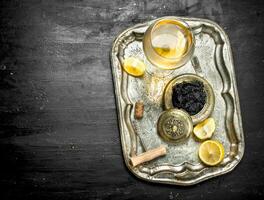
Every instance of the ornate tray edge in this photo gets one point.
(176, 181)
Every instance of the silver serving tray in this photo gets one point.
(181, 165)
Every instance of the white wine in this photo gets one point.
(168, 43)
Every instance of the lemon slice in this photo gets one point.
(211, 152)
(134, 66)
(205, 129)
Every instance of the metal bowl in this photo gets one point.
(210, 97)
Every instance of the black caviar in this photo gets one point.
(189, 96)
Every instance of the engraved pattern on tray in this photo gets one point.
(181, 165)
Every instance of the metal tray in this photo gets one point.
(181, 165)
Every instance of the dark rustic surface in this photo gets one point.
(59, 136)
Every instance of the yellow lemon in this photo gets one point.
(134, 66)
(205, 129)
(211, 152)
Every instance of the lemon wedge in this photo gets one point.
(134, 66)
(211, 152)
(205, 129)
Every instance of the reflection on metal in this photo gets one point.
(181, 165)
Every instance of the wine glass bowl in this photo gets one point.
(168, 43)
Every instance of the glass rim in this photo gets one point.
(187, 28)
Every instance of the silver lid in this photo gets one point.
(174, 125)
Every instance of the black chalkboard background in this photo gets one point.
(59, 135)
